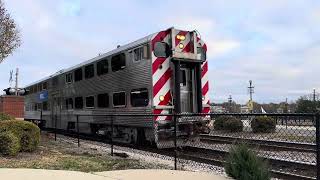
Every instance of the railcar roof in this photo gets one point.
(114, 51)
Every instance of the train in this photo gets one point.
(162, 74)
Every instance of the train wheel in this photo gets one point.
(141, 137)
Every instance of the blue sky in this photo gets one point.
(276, 43)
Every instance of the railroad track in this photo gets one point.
(207, 156)
(216, 157)
(265, 144)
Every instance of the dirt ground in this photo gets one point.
(60, 155)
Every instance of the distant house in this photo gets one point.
(280, 110)
(12, 105)
(244, 109)
(218, 109)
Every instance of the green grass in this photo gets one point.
(63, 156)
(82, 163)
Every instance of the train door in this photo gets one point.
(56, 111)
(186, 88)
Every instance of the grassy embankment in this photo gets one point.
(65, 156)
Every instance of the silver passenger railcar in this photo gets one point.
(162, 73)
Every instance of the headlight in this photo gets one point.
(181, 37)
(161, 98)
(181, 46)
(203, 98)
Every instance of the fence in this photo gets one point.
(289, 142)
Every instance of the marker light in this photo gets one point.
(181, 37)
(161, 98)
(181, 46)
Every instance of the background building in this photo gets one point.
(12, 105)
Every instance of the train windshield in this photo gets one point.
(201, 53)
(161, 49)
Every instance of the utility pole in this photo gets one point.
(314, 100)
(230, 103)
(16, 88)
(286, 106)
(10, 78)
(251, 91)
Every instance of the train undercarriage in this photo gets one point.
(162, 135)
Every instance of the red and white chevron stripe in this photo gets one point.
(161, 77)
(162, 73)
(205, 80)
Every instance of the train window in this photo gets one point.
(27, 107)
(139, 97)
(78, 74)
(30, 89)
(183, 76)
(90, 102)
(102, 67)
(55, 81)
(45, 106)
(201, 53)
(69, 103)
(78, 102)
(39, 87)
(71, 125)
(89, 71)
(66, 104)
(38, 106)
(119, 99)
(138, 54)
(146, 52)
(161, 49)
(118, 62)
(103, 100)
(69, 78)
(44, 85)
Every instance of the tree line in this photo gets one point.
(304, 104)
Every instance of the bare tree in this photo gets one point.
(9, 34)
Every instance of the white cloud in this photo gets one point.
(274, 75)
(300, 91)
(44, 23)
(217, 43)
(274, 43)
(71, 7)
(218, 47)
(186, 22)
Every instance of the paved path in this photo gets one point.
(143, 174)
(159, 175)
